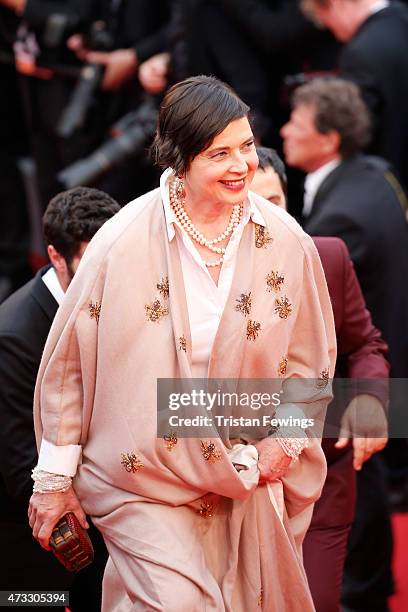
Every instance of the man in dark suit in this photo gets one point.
(70, 221)
(354, 197)
(361, 355)
(376, 58)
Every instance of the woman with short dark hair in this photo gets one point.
(198, 279)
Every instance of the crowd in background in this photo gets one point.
(136, 49)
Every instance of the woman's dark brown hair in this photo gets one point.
(192, 113)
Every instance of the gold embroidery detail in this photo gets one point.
(260, 599)
(244, 303)
(274, 281)
(283, 307)
(323, 379)
(262, 237)
(206, 510)
(131, 462)
(171, 440)
(163, 287)
(155, 311)
(283, 366)
(253, 329)
(210, 452)
(182, 344)
(95, 311)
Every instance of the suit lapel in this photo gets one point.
(326, 187)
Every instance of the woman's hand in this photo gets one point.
(273, 463)
(45, 509)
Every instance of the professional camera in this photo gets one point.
(73, 117)
(130, 137)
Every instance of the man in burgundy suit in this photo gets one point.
(361, 351)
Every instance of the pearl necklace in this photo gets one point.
(177, 201)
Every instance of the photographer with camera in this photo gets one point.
(130, 129)
(85, 80)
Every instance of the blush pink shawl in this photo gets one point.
(118, 330)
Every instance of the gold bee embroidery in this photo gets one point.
(253, 329)
(210, 452)
(262, 237)
(182, 344)
(244, 303)
(206, 510)
(163, 287)
(171, 440)
(155, 311)
(131, 462)
(283, 307)
(95, 311)
(283, 366)
(323, 379)
(274, 281)
(260, 599)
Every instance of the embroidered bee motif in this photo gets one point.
(274, 281)
(163, 287)
(155, 311)
(182, 344)
(253, 329)
(131, 462)
(170, 440)
(323, 379)
(283, 366)
(206, 510)
(95, 311)
(244, 303)
(283, 307)
(210, 452)
(262, 237)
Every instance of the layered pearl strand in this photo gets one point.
(177, 202)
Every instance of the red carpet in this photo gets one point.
(399, 602)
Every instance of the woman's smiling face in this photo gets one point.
(223, 172)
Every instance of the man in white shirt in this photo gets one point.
(70, 221)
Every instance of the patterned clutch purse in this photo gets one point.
(71, 544)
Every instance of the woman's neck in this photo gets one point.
(206, 212)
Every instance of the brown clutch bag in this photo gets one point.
(71, 544)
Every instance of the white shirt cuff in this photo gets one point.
(59, 459)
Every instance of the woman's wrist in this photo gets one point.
(47, 482)
(292, 440)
